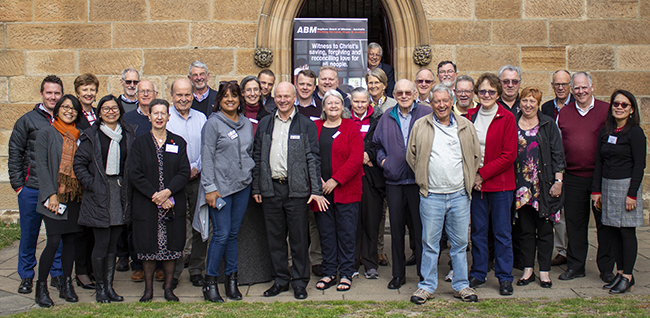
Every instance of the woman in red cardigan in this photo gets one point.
(341, 152)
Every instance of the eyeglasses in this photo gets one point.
(467, 92)
(404, 93)
(449, 72)
(374, 55)
(484, 92)
(507, 82)
(130, 82)
(558, 85)
(68, 109)
(621, 105)
(422, 81)
(196, 76)
(159, 114)
(252, 90)
(113, 109)
(580, 88)
(146, 92)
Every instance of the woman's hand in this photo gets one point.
(161, 196)
(329, 186)
(211, 198)
(556, 189)
(478, 182)
(53, 204)
(366, 160)
(168, 204)
(596, 198)
(630, 204)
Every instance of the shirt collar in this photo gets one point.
(566, 102)
(311, 104)
(203, 96)
(128, 100)
(584, 112)
(452, 121)
(174, 111)
(293, 113)
(41, 107)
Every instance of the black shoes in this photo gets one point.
(611, 285)
(169, 295)
(231, 286)
(25, 286)
(410, 261)
(475, 282)
(122, 264)
(505, 288)
(317, 270)
(544, 284)
(396, 282)
(275, 290)
(56, 282)
(570, 274)
(381, 260)
(147, 296)
(299, 292)
(42, 296)
(623, 285)
(67, 291)
(524, 282)
(196, 280)
(82, 285)
(211, 289)
(607, 277)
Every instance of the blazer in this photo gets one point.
(390, 74)
(143, 177)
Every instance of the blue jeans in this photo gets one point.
(225, 227)
(493, 206)
(450, 211)
(30, 226)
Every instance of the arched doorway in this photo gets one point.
(406, 20)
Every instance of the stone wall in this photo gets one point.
(160, 38)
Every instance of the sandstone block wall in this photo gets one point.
(160, 38)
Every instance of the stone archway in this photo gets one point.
(407, 20)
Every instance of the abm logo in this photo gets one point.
(306, 29)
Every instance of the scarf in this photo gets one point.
(380, 102)
(113, 159)
(69, 187)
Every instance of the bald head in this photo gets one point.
(285, 96)
(182, 95)
(405, 93)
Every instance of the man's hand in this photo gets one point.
(258, 198)
(322, 202)
(194, 173)
(211, 198)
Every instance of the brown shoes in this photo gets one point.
(558, 260)
(159, 275)
(137, 276)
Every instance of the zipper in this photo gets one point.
(105, 181)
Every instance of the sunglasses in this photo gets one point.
(621, 105)
(130, 82)
(507, 82)
(484, 92)
(422, 81)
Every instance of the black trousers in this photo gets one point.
(284, 215)
(402, 201)
(535, 234)
(84, 243)
(625, 247)
(122, 248)
(370, 211)
(577, 206)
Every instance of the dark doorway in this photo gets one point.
(373, 10)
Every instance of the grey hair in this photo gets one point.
(464, 78)
(155, 88)
(295, 91)
(413, 88)
(442, 88)
(197, 64)
(581, 73)
(130, 69)
(375, 45)
(510, 68)
(334, 93)
(361, 90)
(174, 82)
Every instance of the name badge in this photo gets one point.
(171, 148)
(233, 135)
(253, 120)
(365, 128)
(294, 137)
(336, 134)
(612, 140)
(314, 118)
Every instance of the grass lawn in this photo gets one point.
(9, 233)
(635, 306)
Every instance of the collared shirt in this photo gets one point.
(452, 120)
(90, 116)
(422, 101)
(362, 117)
(311, 104)
(190, 130)
(280, 145)
(584, 112)
(405, 123)
(140, 111)
(203, 96)
(557, 108)
(457, 112)
(124, 98)
(50, 117)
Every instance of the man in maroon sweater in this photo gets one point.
(580, 123)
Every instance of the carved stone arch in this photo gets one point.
(406, 19)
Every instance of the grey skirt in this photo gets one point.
(614, 193)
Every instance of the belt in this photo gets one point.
(281, 180)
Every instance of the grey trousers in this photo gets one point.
(199, 248)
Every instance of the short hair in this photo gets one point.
(635, 118)
(425, 69)
(155, 88)
(106, 99)
(581, 73)
(197, 64)
(442, 88)
(443, 63)
(379, 74)
(531, 91)
(492, 79)
(562, 70)
(85, 79)
(328, 67)
(464, 78)
(75, 104)
(266, 71)
(308, 73)
(52, 79)
(510, 68)
(334, 93)
(234, 89)
(361, 90)
(158, 101)
(246, 80)
(174, 82)
(375, 45)
(130, 69)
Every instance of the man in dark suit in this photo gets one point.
(204, 96)
(267, 80)
(375, 53)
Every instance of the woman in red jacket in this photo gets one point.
(494, 185)
(341, 153)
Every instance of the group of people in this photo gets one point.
(122, 179)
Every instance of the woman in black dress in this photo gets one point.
(100, 166)
(58, 196)
(158, 172)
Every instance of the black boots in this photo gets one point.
(43, 295)
(110, 273)
(231, 286)
(211, 290)
(66, 291)
(615, 282)
(99, 267)
(623, 285)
